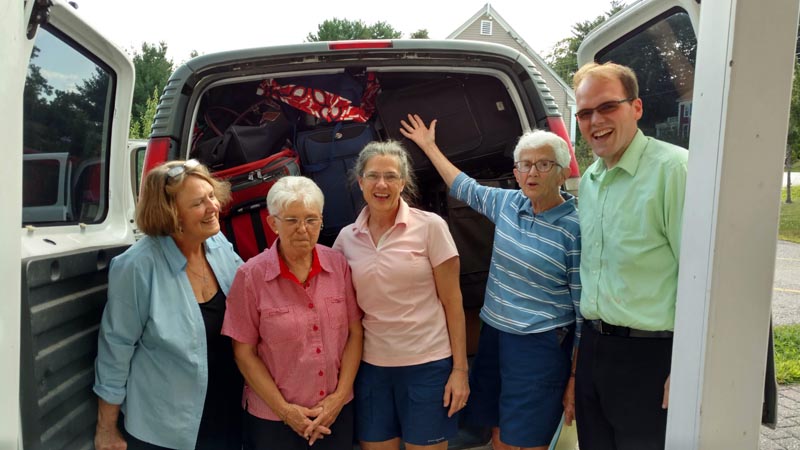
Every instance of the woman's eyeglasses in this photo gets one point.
(542, 165)
(178, 170)
(311, 223)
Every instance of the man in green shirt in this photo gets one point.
(631, 209)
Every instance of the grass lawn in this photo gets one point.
(787, 353)
(789, 229)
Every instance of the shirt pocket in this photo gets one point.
(280, 324)
(337, 311)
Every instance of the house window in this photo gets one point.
(486, 27)
(687, 110)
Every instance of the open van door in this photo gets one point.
(658, 40)
(70, 121)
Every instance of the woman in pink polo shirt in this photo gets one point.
(413, 376)
(296, 330)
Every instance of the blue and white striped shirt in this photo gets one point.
(534, 280)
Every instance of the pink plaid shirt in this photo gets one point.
(299, 331)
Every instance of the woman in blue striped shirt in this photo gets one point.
(521, 377)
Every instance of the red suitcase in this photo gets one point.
(244, 220)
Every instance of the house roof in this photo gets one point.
(491, 13)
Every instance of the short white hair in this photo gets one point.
(539, 138)
(290, 189)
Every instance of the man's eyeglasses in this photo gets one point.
(388, 177)
(175, 171)
(602, 108)
(311, 223)
(542, 165)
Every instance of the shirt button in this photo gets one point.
(321, 393)
(310, 305)
(319, 350)
(316, 328)
(321, 373)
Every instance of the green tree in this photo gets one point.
(420, 34)
(347, 30)
(142, 126)
(564, 57)
(153, 69)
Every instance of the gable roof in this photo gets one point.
(488, 12)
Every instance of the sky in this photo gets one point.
(234, 24)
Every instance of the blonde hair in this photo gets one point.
(156, 213)
(609, 71)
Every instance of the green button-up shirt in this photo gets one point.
(630, 219)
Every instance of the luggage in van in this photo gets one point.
(244, 222)
(327, 155)
(457, 131)
(475, 118)
(248, 137)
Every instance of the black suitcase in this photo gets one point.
(457, 132)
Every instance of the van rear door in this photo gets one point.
(75, 105)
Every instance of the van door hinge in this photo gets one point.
(39, 16)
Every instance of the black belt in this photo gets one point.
(607, 329)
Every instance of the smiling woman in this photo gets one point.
(165, 292)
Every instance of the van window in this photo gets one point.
(663, 54)
(68, 105)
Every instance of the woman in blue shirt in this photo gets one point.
(161, 359)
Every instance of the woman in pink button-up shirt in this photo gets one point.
(297, 330)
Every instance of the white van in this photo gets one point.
(64, 257)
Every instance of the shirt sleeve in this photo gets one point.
(441, 246)
(121, 328)
(574, 280)
(353, 311)
(241, 311)
(484, 199)
(674, 196)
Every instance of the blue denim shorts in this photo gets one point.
(405, 402)
(517, 383)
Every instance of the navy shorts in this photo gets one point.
(405, 402)
(517, 383)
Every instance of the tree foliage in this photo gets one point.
(564, 58)
(153, 69)
(793, 137)
(347, 30)
(422, 33)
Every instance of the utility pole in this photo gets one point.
(788, 174)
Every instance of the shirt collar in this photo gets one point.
(362, 221)
(316, 268)
(275, 266)
(629, 162)
(175, 258)
(553, 214)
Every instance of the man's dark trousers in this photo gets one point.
(619, 388)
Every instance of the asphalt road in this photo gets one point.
(786, 287)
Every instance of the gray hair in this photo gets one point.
(388, 148)
(290, 189)
(540, 138)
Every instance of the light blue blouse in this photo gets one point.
(151, 355)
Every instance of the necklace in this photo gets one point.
(203, 275)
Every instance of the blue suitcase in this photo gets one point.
(327, 154)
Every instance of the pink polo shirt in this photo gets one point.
(299, 330)
(404, 321)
